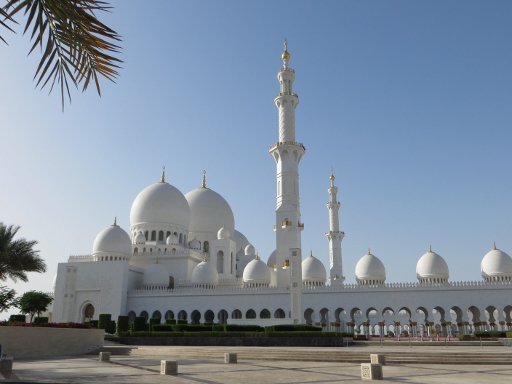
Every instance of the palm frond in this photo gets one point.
(76, 47)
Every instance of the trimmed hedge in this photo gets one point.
(292, 328)
(139, 324)
(486, 334)
(170, 321)
(123, 324)
(104, 320)
(181, 322)
(94, 324)
(163, 328)
(111, 327)
(243, 328)
(17, 319)
(232, 334)
(508, 334)
(41, 320)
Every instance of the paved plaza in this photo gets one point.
(146, 369)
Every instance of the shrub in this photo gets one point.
(181, 322)
(104, 320)
(139, 324)
(17, 319)
(41, 320)
(508, 334)
(163, 328)
(243, 328)
(170, 321)
(123, 324)
(111, 327)
(153, 321)
(486, 334)
(292, 328)
(94, 323)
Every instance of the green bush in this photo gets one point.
(292, 328)
(163, 328)
(487, 334)
(191, 328)
(139, 324)
(181, 322)
(41, 320)
(170, 321)
(17, 319)
(94, 323)
(243, 328)
(104, 320)
(304, 334)
(508, 334)
(111, 327)
(153, 321)
(123, 324)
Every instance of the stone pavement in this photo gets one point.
(145, 369)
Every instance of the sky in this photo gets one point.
(408, 101)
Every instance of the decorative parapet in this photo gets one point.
(80, 258)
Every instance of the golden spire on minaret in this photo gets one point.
(285, 56)
(204, 180)
(162, 180)
(332, 177)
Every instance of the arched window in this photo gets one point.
(265, 314)
(88, 312)
(136, 250)
(279, 314)
(236, 314)
(167, 234)
(222, 316)
(145, 315)
(182, 315)
(146, 235)
(206, 246)
(131, 317)
(180, 239)
(209, 316)
(195, 317)
(250, 314)
(161, 236)
(153, 235)
(169, 315)
(220, 262)
(156, 315)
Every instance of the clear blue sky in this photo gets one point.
(409, 101)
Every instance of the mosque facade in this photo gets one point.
(184, 259)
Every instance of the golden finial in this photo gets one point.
(115, 221)
(285, 56)
(162, 180)
(430, 248)
(369, 251)
(332, 177)
(204, 179)
(257, 257)
(311, 253)
(494, 246)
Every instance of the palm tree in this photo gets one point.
(17, 256)
(76, 47)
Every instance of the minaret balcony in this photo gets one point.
(286, 143)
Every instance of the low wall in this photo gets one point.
(25, 342)
(246, 341)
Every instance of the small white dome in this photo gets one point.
(140, 238)
(194, 244)
(209, 211)
(370, 270)
(272, 259)
(223, 234)
(249, 250)
(172, 239)
(496, 265)
(432, 268)
(156, 274)
(256, 272)
(205, 273)
(112, 240)
(313, 270)
(160, 203)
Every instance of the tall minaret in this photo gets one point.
(287, 153)
(335, 236)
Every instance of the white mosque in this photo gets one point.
(183, 258)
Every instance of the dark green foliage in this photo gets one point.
(8, 298)
(243, 328)
(139, 324)
(153, 321)
(17, 256)
(123, 324)
(111, 327)
(94, 323)
(508, 334)
(292, 328)
(41, 320)
(170, 321)
(104, 320)
(17, 319)
(487, 334)
(181, 322)
(34, 302)
(163, 328)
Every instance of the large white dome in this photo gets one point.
(313, 271)
(209, 211)
(156, 274)
(496, 265)
(160, 203)
(113, 240)
(272, 259)
(432, 268)
(370, 270)
(256, 272)
(205, 273)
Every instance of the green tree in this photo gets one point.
(7, 298)
(17, 256)
(76, 47)
(34, 302)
